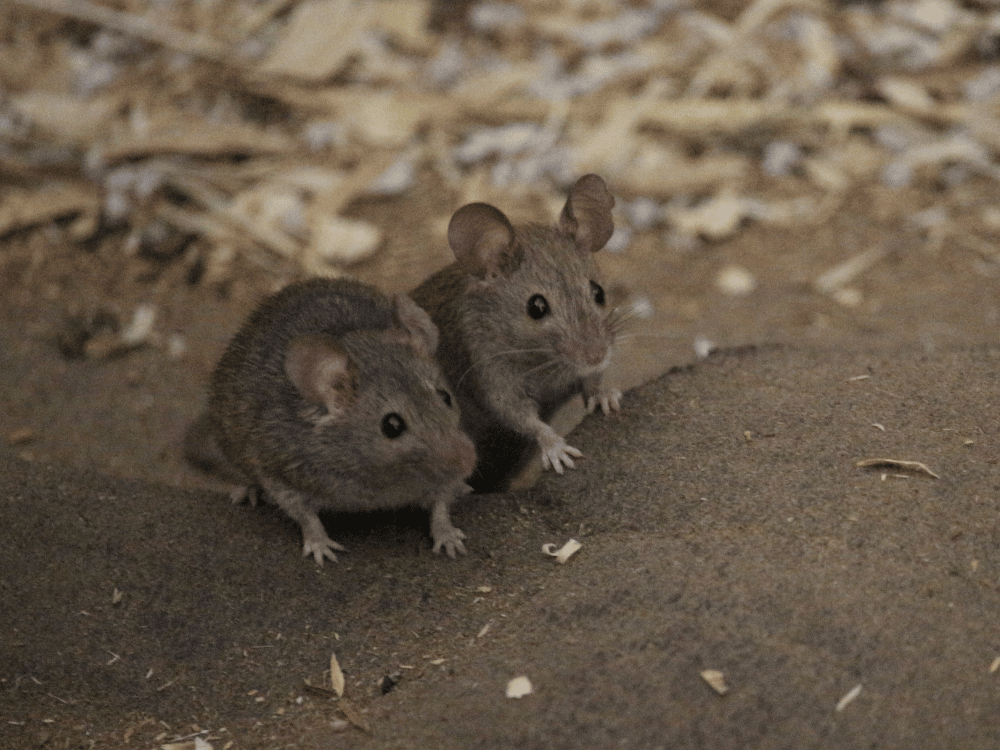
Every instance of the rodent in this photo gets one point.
(524, 326)
(329, 398)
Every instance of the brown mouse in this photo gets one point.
(329, 398)
(524, 326)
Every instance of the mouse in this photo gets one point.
(329, 398)
(525, 326)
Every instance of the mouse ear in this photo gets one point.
(586, 217)
(423, 334)
(321, 371)
(482, 239)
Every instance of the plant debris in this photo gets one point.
(336, 676)
(563, 553)
(716, 680)
(519, 687)
(353, 714)
(910, 466)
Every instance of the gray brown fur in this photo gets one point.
(297, 401)
(509, 371)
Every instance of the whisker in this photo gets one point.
(544, 365)
(622, 316)
(505, 353)
(671, 337)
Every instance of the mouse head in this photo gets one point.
(390, 420)
(535, 289)
(485, 243)
(324, 372)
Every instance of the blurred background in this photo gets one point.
(810, 173)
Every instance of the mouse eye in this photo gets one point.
(597, 291)
(393, 425)
(445, 396)
(538, 307)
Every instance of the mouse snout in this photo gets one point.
(595, 354)
(590, 352)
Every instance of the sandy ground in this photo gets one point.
(725, 525)
(724, 522)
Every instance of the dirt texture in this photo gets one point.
(725, 525)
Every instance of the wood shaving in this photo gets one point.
(716, 680)
(336, 676)
(519, 687)
(563, 553)
(848, 698)
(911, 466)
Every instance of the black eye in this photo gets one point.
(445, 396)
(598, 292)
(538, 307)
(393, 425)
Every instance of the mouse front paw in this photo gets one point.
(446, 536)
(450, 541)
(556, 452)
(598, 395)
(315, 542)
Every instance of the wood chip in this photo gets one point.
(519, 687)
(716, 680)
(911, 466)
(336, 676)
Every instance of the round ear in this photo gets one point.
(482, 239)
(423, 334)
(322, 372)
(586, 217)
